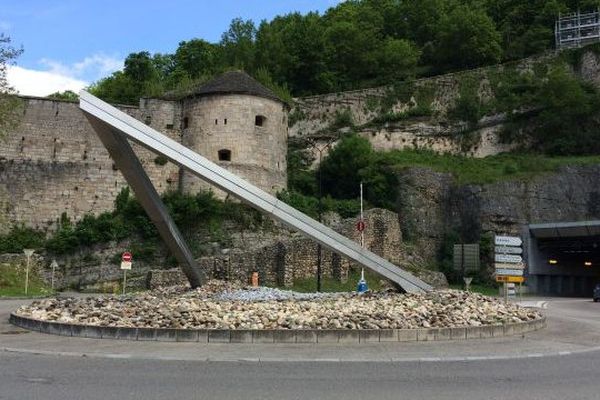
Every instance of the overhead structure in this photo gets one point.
(115, 127)
(577, 29)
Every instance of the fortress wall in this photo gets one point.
(54, 163)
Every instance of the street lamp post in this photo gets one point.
(28, 253)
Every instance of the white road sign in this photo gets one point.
(508, 250)
(508, 241)
(508, 258)
(509, 266)
(510, 272)
(125, 264)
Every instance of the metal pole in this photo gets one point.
(124, 280)
(28, 253)
(27, 275)
(362, 232)
(319, 211)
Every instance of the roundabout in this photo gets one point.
(222, 312)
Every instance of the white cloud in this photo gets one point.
(41, 83)
(90, 68)
(56, 76)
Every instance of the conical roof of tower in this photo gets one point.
(234, 82)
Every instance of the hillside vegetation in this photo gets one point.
(356, 44)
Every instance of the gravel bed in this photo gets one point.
(222, 305)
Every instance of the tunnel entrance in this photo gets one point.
(564, 258)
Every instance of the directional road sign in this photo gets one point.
(508, 258)
(508, 250)
(509, 272)
(508, 241)
(510, 279)
(509, 266)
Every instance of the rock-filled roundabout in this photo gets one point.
(264, 312)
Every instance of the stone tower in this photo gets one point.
(240, 125)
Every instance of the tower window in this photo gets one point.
(260, 120)
(224, 155)
(148, 120)
(216, 121)
(225, 121)
(186, 122)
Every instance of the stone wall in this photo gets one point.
(284, 261)
(54, 163)
(432, 205)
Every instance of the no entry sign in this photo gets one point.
(360, 225)
(126, 257)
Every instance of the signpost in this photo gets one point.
(28, 254)
(508, 262)
(126, 260)
(53, 266)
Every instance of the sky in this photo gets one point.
(69, 44)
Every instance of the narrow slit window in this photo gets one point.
(186, 122)
(225, 121)
(224, 155)
(260, 120)
(216, 121)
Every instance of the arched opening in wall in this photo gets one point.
(260, 120)
(224, 155)
(186, 122)
(148, 120)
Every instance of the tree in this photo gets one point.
(66, 95)
(9, 104)
(237, 44)
(196, 57)
(341, 170)
(397, 60)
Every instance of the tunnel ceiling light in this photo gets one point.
(552, 261)
(587, 263)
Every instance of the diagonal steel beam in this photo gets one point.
(111, 118)
(128, 163)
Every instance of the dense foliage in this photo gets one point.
(358, 43)
(353, 161)
(10, 106)
(129, 219)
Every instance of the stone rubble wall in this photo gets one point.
(284, 261)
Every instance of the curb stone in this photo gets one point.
(278, 335)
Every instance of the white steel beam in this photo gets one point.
(137, 131)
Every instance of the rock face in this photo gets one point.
(227, 306)
(431, 204)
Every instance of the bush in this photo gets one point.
(20, 238)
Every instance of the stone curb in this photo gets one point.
(278, 335)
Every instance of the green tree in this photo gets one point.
(66, 95)
(237, 44)
(567, 123)
(196, 57)
(341, 169)
(467, 38)
(397, 60)
(9, 104)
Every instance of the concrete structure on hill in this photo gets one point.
(53, 162)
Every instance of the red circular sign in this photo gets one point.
(126, 256)
(360, 225)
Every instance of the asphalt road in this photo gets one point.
(573, 376)
(43, 377)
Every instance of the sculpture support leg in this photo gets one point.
(126, 160)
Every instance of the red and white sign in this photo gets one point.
(126, 260)
(360, 225)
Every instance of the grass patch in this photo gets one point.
(332, 285)
(510, 166)
(12, 282)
